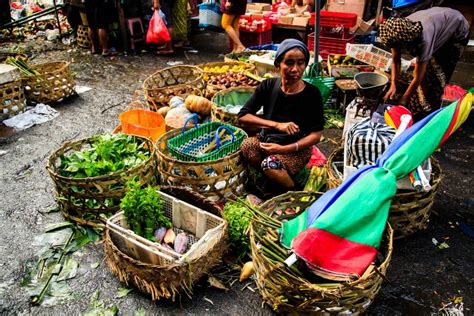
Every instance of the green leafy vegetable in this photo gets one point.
(143, 209)
(238, 216)
(107, 154)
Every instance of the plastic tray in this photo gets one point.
(374, 56)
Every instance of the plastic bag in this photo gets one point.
(157, 31)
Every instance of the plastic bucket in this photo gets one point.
(370, 84)
(143, 123)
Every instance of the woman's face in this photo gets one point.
(293, 65)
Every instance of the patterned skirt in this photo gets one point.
(291, 162)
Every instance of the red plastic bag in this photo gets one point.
(157, 31)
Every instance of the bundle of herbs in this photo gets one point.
(106, 155)
(144, 210)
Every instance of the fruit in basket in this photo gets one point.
(199, 105)
(170, 236)
(224, 69)
(229, 80)
(181, 243)
(160, 234)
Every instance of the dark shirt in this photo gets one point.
(305, 108)
(238, 7)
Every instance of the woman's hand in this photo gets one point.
(390, 93)
(272, 148)
(289, 128)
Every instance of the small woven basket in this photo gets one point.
(83, 200)
(173, 81)
(12, 99)
(290, 293)
(168, 279)
(53, 84)
(216, 180)
(206, 68)
(82, 37)
(218, 114)
(409, 210)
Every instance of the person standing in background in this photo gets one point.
(165, 6)
(437, 37)
(98, 14)
(232, 10)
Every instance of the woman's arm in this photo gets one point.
(395, 71)
(253, 121)
(418, 75)
(305, 142)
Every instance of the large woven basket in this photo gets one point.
(54, 83)
(82, 37)
(76, 195)
(217, 180)
(170, 278)
(290, 293)
(218, 114)
(230, 64)
(173, 81)
(12, 99)
(409, 210)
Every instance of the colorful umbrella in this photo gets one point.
(338, 235)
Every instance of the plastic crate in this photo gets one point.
(254, 24)
(253, 39)
(374, 56)
(329, 18)
(330, 45)
(200, 226)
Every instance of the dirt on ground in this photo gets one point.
(421, 280)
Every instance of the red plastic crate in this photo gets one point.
(330, 45)
(254, 24)
(329, 18)
(253, 39)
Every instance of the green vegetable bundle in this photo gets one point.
(24, 68)
(238, 215)
(144, 210)
(107, 154)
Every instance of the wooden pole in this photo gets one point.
(316, 35)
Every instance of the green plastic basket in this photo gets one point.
(190, 145)
(324, 84)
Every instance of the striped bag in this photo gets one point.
(366, 141)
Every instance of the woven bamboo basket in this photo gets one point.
(216, 180)
(83, 200)
(410, 210)
(218, 114)
(82, 37)
(169, 278)
(243, 67)
(12, 99)
(291, 293)
(173, 81)
(54, 83)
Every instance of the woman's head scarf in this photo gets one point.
(287, 45)
(397, 32)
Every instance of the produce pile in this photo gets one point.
(229, 80)
(106, 155)
(223, 69)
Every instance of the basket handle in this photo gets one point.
(192, 116)
(218, 139)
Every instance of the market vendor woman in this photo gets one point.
(437, 37)
(292, 118)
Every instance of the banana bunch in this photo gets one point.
(317, 180)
